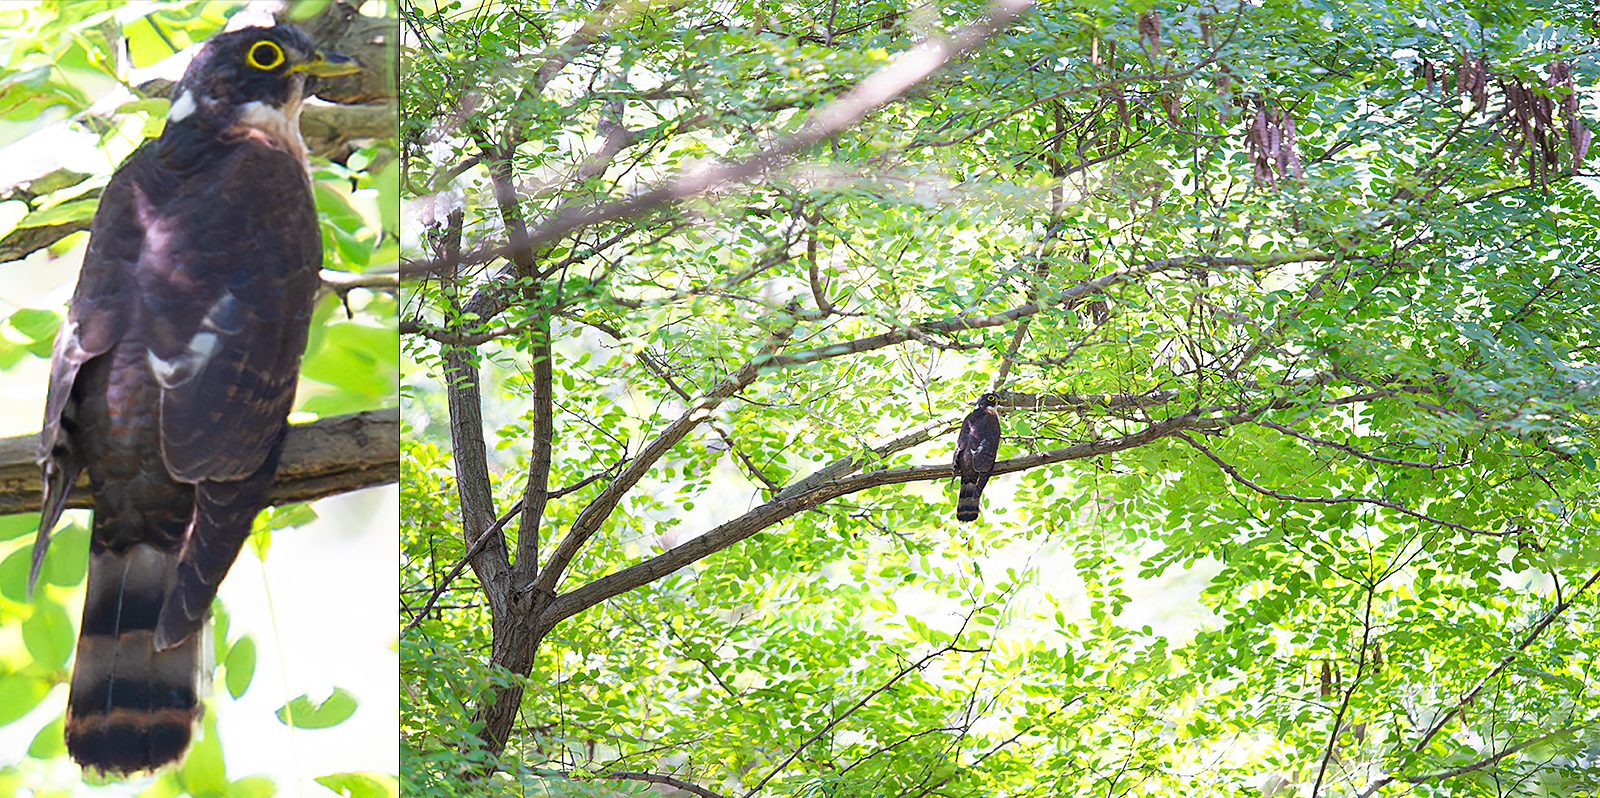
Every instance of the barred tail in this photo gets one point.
(967, 500)
(131, 707)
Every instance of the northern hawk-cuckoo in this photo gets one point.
(976, 447)
(173, 377)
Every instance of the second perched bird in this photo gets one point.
(976, 447)
(173, 377)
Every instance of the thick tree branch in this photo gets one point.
(471, 457)
(788, 504)
(600, 508)
(323, 458)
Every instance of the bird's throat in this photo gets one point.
(280, 125)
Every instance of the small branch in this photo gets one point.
(772, 487)
(1371, 788)
(1488, 760)
(623, 775)
(1527, 640)
(344, 281)
(461, 564)
(598, 509)
(1351, 450)
(916, 666)
(873, 92)
(1395, 506)
(1349, 693)
(414, 327)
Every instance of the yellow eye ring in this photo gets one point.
(265, 55)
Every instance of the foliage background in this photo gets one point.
(65, 105)
(1295, 300)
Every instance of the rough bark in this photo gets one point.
(325, 457)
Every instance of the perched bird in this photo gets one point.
(173, 377)
(976, 446)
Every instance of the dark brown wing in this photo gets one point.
(97, 318)
(229, 315)
(130, 706)
(228, 324)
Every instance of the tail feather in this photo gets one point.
(967, 500)
(131, 707)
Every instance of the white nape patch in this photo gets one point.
(182, 107)
(181, 369)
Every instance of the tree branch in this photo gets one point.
(876, 90)
(1371, 788)
(866, 699)
(651, 778)
(1527, 640)
(323, 458)
(1234, 474)
(792, 502)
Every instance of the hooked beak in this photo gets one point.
(327, 65)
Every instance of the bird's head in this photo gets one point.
(988, 399)
(254, 76)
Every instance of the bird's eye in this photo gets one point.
(265, 55)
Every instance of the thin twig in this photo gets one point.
(1395, 506)
(461, 564)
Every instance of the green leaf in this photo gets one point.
(15, 526)
(336, 209)
(360, 360)
(48, 633)
(253, 787)
(388, 185)
(304, 713)
(37, 325)
(19, 694)
(56, 181)
(361, 784)
(70, 211)
(67, 562)
(50, 742)
(307, 9)
(240, 665)
(203, 773)
(220, 621)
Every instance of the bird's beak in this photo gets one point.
(327, 65)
